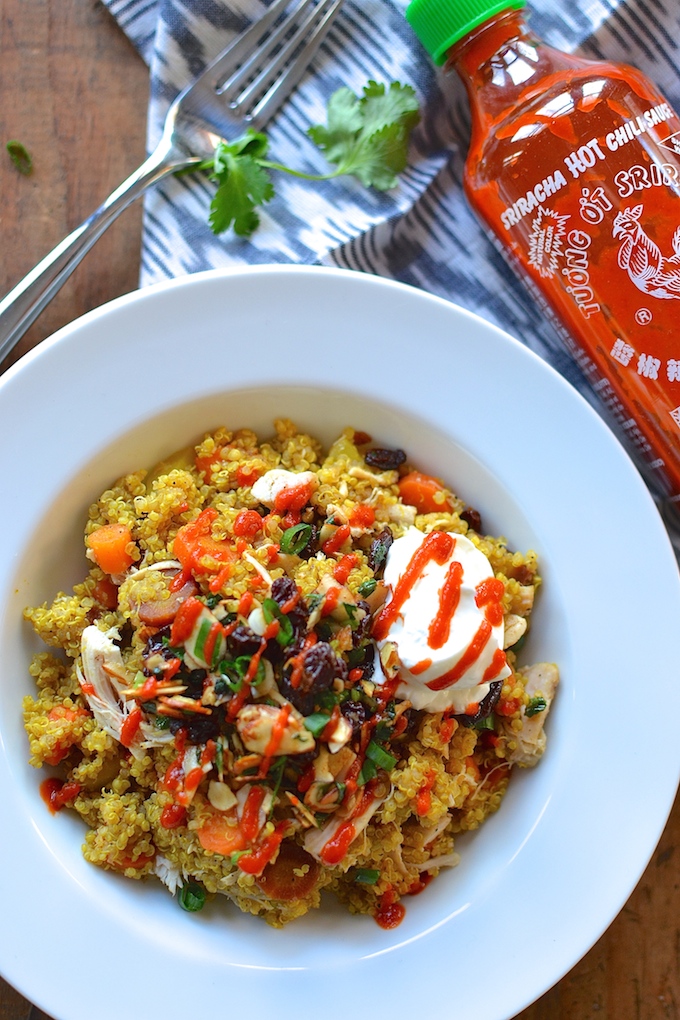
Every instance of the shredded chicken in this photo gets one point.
(103, 678)
(542, 681)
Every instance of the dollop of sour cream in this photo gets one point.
(443, 620)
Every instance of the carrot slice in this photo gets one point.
(292, 876)
(221, 834)
(109, 545)
(425, 493)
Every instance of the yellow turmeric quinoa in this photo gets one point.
(233, 705)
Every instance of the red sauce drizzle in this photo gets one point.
(470, 655)
(247, 524)
(184, 622)
(424, 795)
(337, 540)
(390, 914)
(344, 567)
(250, 818)
(291, 501)
(57, 793)
(497, 663)
(256, 861)
(131, 724)
(488, 595)
(437, 546)
(449, 597)
(362, 516)
(337, 846)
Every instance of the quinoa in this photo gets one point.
(215, 705)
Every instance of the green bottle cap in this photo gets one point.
(441, 23)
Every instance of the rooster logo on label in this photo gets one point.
(648, 269)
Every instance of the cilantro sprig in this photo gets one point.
(366, 137)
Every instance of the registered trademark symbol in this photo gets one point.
(643, 316)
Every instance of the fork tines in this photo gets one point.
(265, 63)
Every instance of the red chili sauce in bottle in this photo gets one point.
(574, 167)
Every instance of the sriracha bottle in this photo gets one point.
(574, 166)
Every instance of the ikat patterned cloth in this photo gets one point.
(423, 232)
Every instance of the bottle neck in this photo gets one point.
(501, 63)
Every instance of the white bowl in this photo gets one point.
(541, 880)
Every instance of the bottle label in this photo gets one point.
(597, 230)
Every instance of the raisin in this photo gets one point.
(199, 728)
(193, 682)
(320, 667)
(486, 705)
(284, 589)
(242, 641)
(356, 714)
(385, 460)
(472, 518)
(522, 573)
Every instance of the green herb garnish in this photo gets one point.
(368, 587)
(369, 770)
(487, 723)
(20, 156)
(316, 723)
(272, 611)
(201, 638)
(191, 897)
(367, 876)
(365, 137)
(380, 756)
(295, 539)
(535, 706)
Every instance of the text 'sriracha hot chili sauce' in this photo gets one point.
(574, 165)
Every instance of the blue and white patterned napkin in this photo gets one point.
(423, 232)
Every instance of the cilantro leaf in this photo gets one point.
(364, 136)
(242, 184)
(368, 137)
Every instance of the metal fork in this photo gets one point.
(243, 87)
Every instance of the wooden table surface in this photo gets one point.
(73, 90)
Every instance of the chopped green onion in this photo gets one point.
(487, 723)
(380, 756)
(20, 156)
(272, 611)
(242, 665)
(191, 897)
(368, 876)
(368, 771)
(177, 653)
(211, 600)
(327, 699)
(201, 638)
(296, 538)
(161, 722)
(535, 706)
(368, 587)
(351, 611)
(316, 723)
(383, 730)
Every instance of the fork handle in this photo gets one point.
(25, 302)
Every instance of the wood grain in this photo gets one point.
(74, 92)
